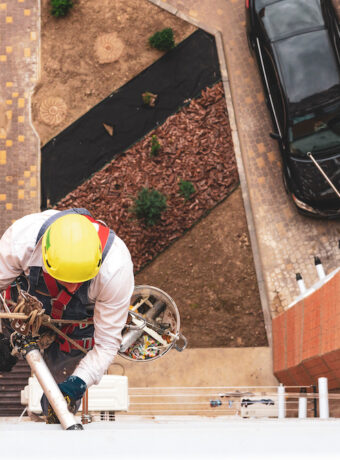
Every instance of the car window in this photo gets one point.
(275, 88)
(316, 132)
(289, 17)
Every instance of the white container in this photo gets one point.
(111, 394)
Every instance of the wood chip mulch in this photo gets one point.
(196, 146)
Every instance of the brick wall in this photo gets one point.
(306, 338)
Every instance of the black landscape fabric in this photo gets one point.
(85, 146)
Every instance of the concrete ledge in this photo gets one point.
(199, 367)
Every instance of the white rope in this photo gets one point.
(20, 418)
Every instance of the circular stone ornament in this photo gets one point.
(53, 110)
(108, 48)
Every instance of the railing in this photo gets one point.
(256, 401)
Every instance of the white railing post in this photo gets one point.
(303, 404)
(281, 400)
(323, 397)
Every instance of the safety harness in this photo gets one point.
(57, 301)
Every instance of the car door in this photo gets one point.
(274, 93)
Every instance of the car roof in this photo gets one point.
(307, 65)
(301, 44)
(283, 18)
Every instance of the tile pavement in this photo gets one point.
(19, 144)
(287, 242)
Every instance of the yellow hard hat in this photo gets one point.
(71, 249)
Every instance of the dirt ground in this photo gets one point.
(210, 275)
(72, 49)
(209, 271)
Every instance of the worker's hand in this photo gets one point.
(7, 361)
(73, 386)
(73, 389)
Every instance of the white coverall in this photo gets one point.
(111, 289)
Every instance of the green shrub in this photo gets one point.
(186, 189)
(163, 40)
(60, 7)
(155, 146)
(149, 205)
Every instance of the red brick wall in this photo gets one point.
(306, 338)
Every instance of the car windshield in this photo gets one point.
(316, 132)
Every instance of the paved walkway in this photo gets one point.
(287, 242)
(20, 160)
(19, 144)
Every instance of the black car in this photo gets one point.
(297, 49)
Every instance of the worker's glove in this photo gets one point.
(73, 389)
(7, 361)
(73, 386)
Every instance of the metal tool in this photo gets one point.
(156, 323)
(28, 347)
(24, 342)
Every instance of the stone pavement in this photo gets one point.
(20, 171)
(286, 241)
(19, 143)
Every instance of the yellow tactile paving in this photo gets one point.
(19, 145)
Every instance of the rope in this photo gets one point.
(45, 319)
(28, 316)
(66, 337)
(32, 308)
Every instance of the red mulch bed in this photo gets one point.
(196, 146)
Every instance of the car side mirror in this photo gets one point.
(275, 136)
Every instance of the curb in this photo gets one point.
(239, 160)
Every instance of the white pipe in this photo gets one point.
(302, 407)
(51, 389)
(323, 398)
(281, 400)
(319, 268)
(301, 283)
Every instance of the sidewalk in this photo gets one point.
(19, 144)
(272, 213)
(286, 241)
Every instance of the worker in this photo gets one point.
(77, 268)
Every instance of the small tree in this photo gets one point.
(163, 40)
(60, 7)
(186, 189)
(149, 205)
(155, 146)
